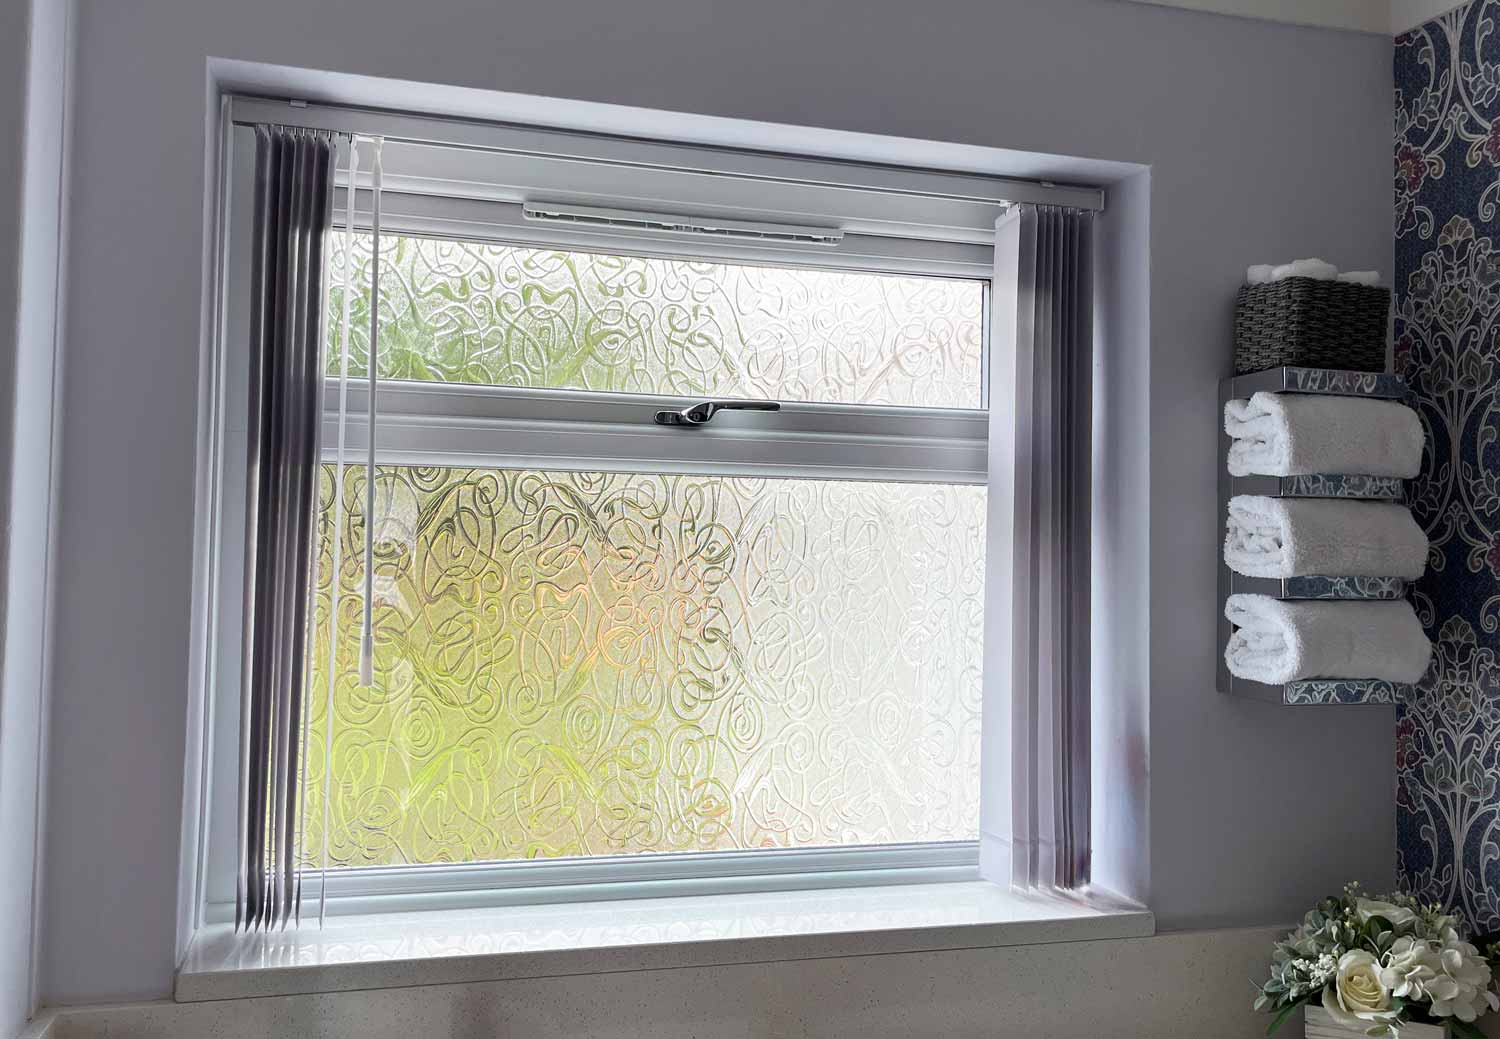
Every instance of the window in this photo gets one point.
(608, 648)
(637, 658)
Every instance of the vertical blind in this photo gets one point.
(1044, 331)
(293, 214)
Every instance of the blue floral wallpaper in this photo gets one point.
(1447, 288)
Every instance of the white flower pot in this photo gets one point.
(1321, 1025)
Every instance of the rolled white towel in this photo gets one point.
(1360, 277)
(1295, 434)
(1297, 537)
(1258, 274)
(1277, 640)
(1322, 270)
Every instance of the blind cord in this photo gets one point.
(338, 515)
(367, 636)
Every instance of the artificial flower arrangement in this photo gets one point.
(1376, 964)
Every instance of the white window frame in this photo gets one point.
(467, 180)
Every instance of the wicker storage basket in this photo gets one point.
(1310, 324)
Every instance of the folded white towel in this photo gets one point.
(1322, 270)
(1296, 537)
(1278, 640)
(1295, 434)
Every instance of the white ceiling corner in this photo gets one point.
(1384, 17)
(1408, 14)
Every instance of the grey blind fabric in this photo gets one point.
(1043, 340)
(293, 213)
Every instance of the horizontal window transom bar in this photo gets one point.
(425, 424)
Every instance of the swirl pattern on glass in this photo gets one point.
(591, 663)
(502, 315)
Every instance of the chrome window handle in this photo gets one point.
(699, 414)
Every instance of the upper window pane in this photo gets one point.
(502, 315)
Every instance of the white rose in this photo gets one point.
(1357, 999)
(1399, 916)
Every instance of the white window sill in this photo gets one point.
(432, 948)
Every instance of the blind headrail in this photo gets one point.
(610, 150)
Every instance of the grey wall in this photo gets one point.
(1264, 141)
(15, 748)
(33, 80)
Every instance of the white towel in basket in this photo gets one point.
(1279, 640)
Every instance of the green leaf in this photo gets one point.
(1287, 1011)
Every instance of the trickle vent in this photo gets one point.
(672, 223)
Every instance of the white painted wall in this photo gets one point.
(1264, 142)
(33, 79)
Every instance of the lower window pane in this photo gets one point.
(572, 664)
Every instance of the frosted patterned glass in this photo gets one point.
(455, 311)
(584, 664)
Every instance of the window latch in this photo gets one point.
(700, 414)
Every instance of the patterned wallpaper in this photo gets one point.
(1447, 284)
